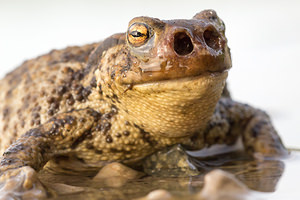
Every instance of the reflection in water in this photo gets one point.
(261, 176)
(257, 175)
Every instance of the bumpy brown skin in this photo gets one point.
(113, 101)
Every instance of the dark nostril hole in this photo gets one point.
(212, 39)
(183, 44)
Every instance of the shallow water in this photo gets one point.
(262, 176)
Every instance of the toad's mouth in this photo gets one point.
(209, 80)
(204, 77)
(165, 70)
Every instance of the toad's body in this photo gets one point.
(120, 100)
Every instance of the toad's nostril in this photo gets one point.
(183, 44)
(212, 38)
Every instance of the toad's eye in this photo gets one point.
(138, 34)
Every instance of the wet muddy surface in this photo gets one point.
(264, 177)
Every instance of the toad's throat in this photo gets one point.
(182, 105)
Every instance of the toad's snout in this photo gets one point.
(207, 39)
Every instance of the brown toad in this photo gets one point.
(156, 85)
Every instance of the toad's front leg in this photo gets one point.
(259, 137)
(21, 161)
(231, 121)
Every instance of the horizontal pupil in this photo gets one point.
(136, 34)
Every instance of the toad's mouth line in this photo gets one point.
(209, 76)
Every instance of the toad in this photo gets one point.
(161, 83)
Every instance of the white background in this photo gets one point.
(264, 37)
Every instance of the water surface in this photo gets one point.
(276, 179)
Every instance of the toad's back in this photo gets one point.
(40, 88)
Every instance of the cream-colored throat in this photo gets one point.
(175, 108)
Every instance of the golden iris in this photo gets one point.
(138, 34)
